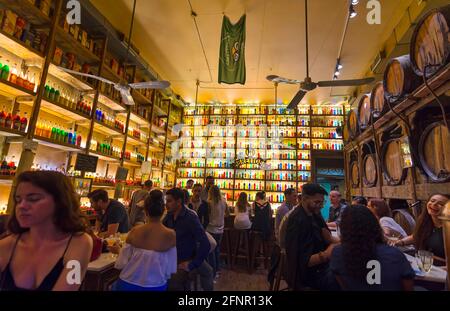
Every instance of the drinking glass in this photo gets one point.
(424, 260)
(111, 241)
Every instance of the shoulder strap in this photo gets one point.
(14, 250)
(67, 246)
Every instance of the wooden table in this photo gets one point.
(100, 274)
(436, 275)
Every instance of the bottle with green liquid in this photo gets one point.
(5, 71)
(47, 91)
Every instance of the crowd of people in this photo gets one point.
(175, 237)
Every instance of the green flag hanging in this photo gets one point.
(232, 52)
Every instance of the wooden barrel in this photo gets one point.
(369, 170)
(345, 134)
(354, 174)
(434, 152)
(378, 103)
(364, 111)
(430, 43)
(391, 161)
(353, 123)
(399, 79)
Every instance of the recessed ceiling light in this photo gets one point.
(352, 11)
(355, 2)
(340, 67)
(337, 73)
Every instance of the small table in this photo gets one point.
(100, 274)
(436, 274)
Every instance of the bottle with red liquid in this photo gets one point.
(16, 122)
(8, 121)
(2, 117)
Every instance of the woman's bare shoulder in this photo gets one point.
(6, 248)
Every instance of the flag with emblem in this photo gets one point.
(232, 52)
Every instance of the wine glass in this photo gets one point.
(424, 260)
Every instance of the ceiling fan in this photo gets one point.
(122, 86)
(307, 84)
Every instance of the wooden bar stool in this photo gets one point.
(243, 237)
(259, 250)
(226, 248)
(280, 271)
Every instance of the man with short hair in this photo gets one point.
(309, 243)
(136, 211)
(192, 243)
(336, 209)
(290, 200)
(199, 206)
(208, 184)
(112, 215)
(189, 184)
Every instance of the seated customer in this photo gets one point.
(290, 200)
(242, 217)
(383, 213)
(192, 243)
(149, 256)
(428, 232)
(112, 215)
(362, 241)
(309, 243)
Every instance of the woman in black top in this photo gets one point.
(427, 234)
(47, 223)
(262, 221)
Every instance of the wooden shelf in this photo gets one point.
(155, 149)
(11, 132)
(328, 115)
(67, 42)
(158, 130)
(137, 119)
(73, 80)
(132, 163)
(135, 142)
(159, 112)
(62, 112)
(109, 74)
(57, 145)
(6, 179)
(28, 11)
(105, 129)
(324, 126)
(104, 157)
(139, 98)
(110, 103)
(99, 185)
(14, 90)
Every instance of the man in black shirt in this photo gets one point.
(112, 215)
(309, 243)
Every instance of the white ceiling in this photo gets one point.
(166, 36)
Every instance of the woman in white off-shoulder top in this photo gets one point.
(149, 257)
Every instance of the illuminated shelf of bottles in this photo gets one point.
(14, 89)
(109, 102)
(137, 119)
(68, 43)
(17, 47)
(108, 130)
(70, 79)
(56, 144)
(104, 157)
(135, 141)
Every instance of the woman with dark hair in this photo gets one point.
(46, 223)
(361, 242)
(383, 213)
(427, 234)
(149, 256)
(262, 222)
(242, 218)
